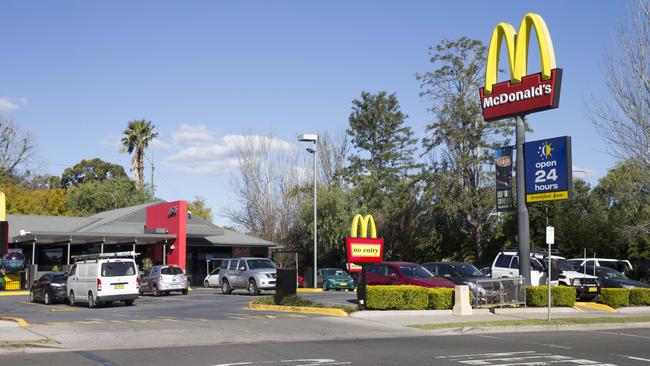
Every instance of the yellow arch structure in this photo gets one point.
(365, 223)
(517, 46)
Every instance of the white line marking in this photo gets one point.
(622, 334)
(492, 337)
(486, 354)
(637, 358)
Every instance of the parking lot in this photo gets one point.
(200, 304)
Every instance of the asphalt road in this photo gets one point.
(200, 303)
(596, 348)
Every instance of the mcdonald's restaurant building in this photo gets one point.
(165, 232)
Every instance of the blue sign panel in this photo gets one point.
(548, 169)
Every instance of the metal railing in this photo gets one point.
(498, 292)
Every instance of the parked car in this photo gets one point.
(163, 279)
(252, 274)
(457, 272)
(621, 265)
(404, 273)
(212, 280)
(506, 264)
(301, 281)
(50, 288)
(335, 278)
(97, 279)
(612, 278)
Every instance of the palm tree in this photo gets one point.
(136, 138)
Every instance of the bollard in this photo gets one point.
(461, 303)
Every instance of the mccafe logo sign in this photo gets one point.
(523, 93)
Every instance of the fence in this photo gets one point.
(499, 292)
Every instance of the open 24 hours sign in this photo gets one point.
(548, 169)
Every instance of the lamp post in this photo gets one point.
(313, 138)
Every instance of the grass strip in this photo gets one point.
(556, 321)
(296, 300)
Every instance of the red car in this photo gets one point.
(301, 281)
(404, 273)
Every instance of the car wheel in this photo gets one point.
(325, 287)
(206, 284)
(32, 297)
(129, 302)
(91, 300)
(184, 291)
(225, 287)
(252, 288)
(71, 299)
(46, 299)
(155, 291)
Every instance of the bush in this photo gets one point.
(397, 298)
(615, 297)
(537, 296)
(441, 298)
(639, 296)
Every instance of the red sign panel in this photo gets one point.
(352, 268)
(532, 94)
(365, 250)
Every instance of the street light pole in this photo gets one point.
(313, 138)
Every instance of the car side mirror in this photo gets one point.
(393, 276)
(242, 268)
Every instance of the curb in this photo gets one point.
(309, 290)
(534, 328)
(299, 309)
(13, 293)
(21, 322)
(596, 306)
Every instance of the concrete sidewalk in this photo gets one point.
(415, 317)
(12, 336)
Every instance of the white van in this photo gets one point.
(97, 279)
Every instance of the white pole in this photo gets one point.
(315, 222)
(550, 239)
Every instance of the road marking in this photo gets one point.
(93, 357)
(637, 358)
(524, 358)
(298, 362)
(486, 354)
(492, 337)
(621, 334)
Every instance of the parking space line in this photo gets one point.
(621, 334)
(637, 358)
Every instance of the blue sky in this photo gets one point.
(73, 73)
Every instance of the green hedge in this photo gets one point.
(615, 297)
(409, 298)
(639, 296)
(537, 296)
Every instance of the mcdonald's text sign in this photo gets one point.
(523, 93)
(365, 250)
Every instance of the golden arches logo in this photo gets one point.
(364, 223)
(517, 47)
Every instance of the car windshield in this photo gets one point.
(171, 271)
(609, 273)
(260, 264)
(468, 270)
(60, 278)
(114, 269)
(334, 272)
(415, 271)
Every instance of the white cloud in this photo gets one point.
(582, 173)
(10, 104)
(201, 151)
(193, 135)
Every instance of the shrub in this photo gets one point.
(441, 298)
(397, 298)
(639, 296)
(615, 297)
(537, 296)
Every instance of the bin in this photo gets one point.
(12, 282)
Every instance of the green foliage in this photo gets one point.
(89, 171)
(397, 298)
(135, 140)
(537, 296)
(295, 300)
(97, 196)
(199, 209)
(639, 296)
(33, 201)
(441, 298)
(615, 297)
(147, 263)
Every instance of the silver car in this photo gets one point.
(164, 279)
(252, 274)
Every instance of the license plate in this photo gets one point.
(119, 287)
(592, 289)
(343, 283)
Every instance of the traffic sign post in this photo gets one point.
(550, 240)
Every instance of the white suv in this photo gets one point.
(103, 278)
(506, 264)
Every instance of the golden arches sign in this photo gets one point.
(367, 222)
(517, 47)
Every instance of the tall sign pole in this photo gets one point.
(519, 96)
(523, 231)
